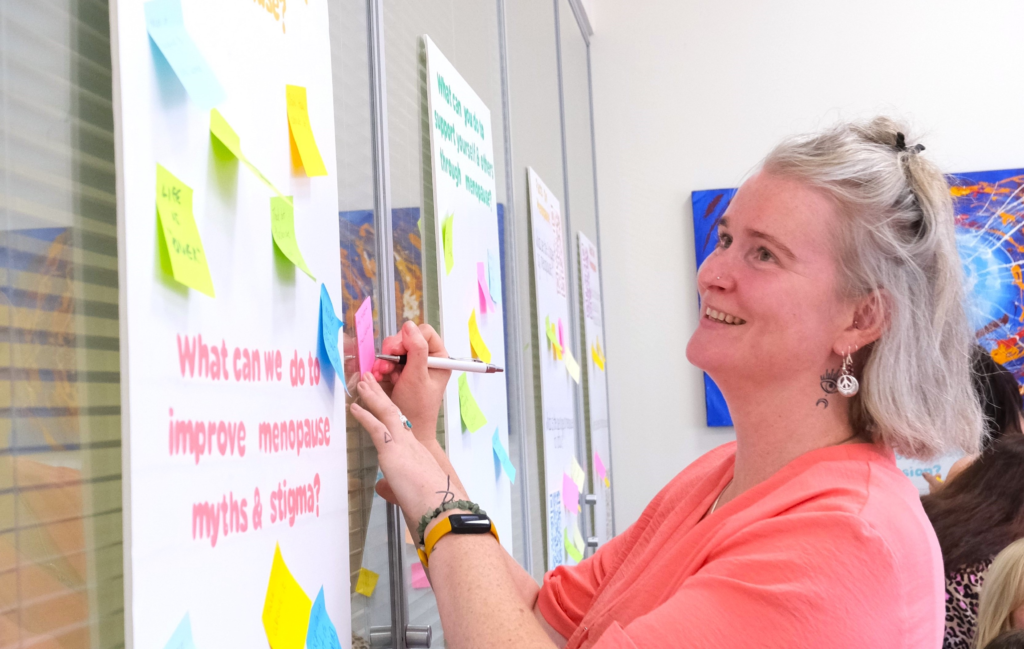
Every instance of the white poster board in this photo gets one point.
(597, 388)
(466, 230)
(216, 478)
(557, 390)
(914, 469)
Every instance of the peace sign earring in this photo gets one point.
(847, 384)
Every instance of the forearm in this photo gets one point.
(483, 595)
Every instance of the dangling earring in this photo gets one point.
(847, 383)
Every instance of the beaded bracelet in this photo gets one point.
(448, 506)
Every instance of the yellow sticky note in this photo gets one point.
(181, 239)
(446, 237)
(598, 359)
(552, 334)
(282, 224)
(476, 341)
(607, 483)
(302, 132)
(286, 608)
(226, 135)
(472, 417)
(577, 474)
(571, 364)
(366, 583)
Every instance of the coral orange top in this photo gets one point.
(834, 551)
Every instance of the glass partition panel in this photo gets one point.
(579, 154)
(467, 34)
(537, 143)
(353, 128)
(61, 559)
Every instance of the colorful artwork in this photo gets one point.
(989, 216)
(359, 262)
(989, 208)
(708, 207)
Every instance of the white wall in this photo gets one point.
(691, 94)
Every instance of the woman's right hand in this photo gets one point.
(415, 389)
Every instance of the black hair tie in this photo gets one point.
(901, 144)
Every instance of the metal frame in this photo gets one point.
(514, 362)
(597, 232)
(585, 28)
(385, 286)
(574, 278)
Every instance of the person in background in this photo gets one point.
(975, 515)
(1002, 596)
(1000, 397)
(1008, 640)
(832, 319)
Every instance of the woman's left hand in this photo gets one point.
(416, 479)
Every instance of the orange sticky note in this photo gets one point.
(302, 131)
(476, 341)
(286, 608)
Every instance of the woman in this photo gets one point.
(1002, 598)
(836, 261)
(976, 514)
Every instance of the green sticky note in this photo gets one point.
(181, 240)
(575, 554)
(282, 224)
(446, 236)
(472, 418)
(226, 135)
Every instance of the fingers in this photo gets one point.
(379, 405)
(435, 346)
(383, 489)
(378, 432)
(416, 347)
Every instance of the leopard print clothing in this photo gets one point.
(962, 588)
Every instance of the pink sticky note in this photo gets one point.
(598, 465)
(570, 494)
(482, 290)
(561, 337)
(419, 577)
(364, 336)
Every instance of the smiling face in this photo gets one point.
(770, 307)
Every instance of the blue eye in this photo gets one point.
(763, 254)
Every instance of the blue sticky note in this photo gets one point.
(494, 277)
(166, 27)
(321, 633)
(182, 636)
(502, 454)
(330, 325)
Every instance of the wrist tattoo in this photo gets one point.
(828, 385)
(448, 495)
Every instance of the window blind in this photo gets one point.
(60, 451)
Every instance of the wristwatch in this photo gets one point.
(456, 524)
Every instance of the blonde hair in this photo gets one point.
(1002, 592)
(895, 241)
